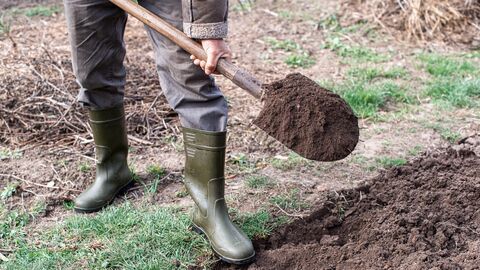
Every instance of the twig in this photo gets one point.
(36, 184)
(288, 214)
(135, 139)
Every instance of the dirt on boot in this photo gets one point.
(310, 120)
(424, 215)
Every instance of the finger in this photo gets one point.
(196, 62)
(203, 64)
(212, 59)
(227, 57)
(192, 57)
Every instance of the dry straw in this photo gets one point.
(424, 19)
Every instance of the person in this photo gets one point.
(96, 29)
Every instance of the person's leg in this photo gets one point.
(203, 114)
(96, 30)
(191, 93)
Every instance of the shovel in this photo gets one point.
(314, 122)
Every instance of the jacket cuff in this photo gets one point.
(216, 30)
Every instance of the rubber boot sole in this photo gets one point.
(121, 191)
(248, 260)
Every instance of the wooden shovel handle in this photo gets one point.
(236, 74)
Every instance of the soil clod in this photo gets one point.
(312, 121)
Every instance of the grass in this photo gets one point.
(6, 153)
(259, 224)
(122, 237)
(12, 226)
(287, 45)
(243, 5)
(156, 171)
(441, 65)
(84, 167)
(368, 99)
(289, 162)
(240, 164)
(8, 191)
(257, 181)
(417, 149)
(457, 92)
(388, 162)
(297, 56)
(358, 53)
(4, 25)
(370, 73)
(303, 60)
(445, 133)
(450, 135)
(43, 11)
(289, 201)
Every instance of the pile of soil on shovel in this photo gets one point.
(310, 120)
(424, 215)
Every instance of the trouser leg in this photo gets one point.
(191, 93)
(96, 29)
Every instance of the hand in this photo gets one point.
(215, 49)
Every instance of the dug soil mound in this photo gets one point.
(424, 215)
(312, 121)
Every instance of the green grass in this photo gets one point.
(257, 181)
(289, 201)
(358, 53)
(84, 167)
(457, 92)
(122, 237)
(44, 11)
(119, 237)
(287, 45)
(239, 163)
(450, 135)
(303, 60)
(259, 224)
(415, 150)
(243, 5)
(388, 162)
(370, 73)
(441, 65)
(69, 205)
(156, 171)
(12, 223)
(368, 99)
(8, 191)
(6, 153)
(289, 162)
(4, 25)
(445, 132)
(297, 56)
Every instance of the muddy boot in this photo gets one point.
(112, 174)
(204, 180)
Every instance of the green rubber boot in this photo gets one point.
(204, 180)
(112, 174)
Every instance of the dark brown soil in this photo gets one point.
(310, 120)
(424, 215)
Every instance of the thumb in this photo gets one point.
(212, 59)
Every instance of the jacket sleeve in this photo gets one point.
(205, 19)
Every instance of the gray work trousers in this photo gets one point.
(96, 29)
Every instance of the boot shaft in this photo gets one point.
(109, 132)
(205, 154)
